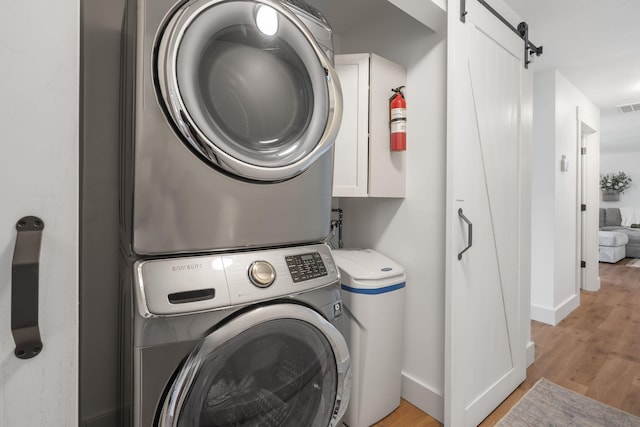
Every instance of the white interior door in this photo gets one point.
(486, 309)
(587, 251)
(582, 201)
(39, 176)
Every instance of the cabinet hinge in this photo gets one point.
(583, 150)
(583, 264)
(583, 207)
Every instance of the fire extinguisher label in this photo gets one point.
(399, 126)
(398, 113)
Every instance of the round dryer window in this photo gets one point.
(247, 86)
(285, 368)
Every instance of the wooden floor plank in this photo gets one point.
(594, 351)
(614, 385)
(408, 415)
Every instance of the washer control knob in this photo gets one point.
(262, 274)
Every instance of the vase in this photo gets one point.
(610, 196)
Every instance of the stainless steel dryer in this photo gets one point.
(230, 110)
(245, 339)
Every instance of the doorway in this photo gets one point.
(587, 207)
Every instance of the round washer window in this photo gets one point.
(279, 373)
(244, 92)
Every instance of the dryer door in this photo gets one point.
(278, 365)
(247, 86)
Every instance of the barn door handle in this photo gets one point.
(24, 287)
(470, 227)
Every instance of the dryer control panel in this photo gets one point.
(305, 266)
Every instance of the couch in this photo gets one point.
(611, 220)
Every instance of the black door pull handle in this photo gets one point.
(24, 287)
(470, 230)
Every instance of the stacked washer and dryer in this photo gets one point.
(231, 303)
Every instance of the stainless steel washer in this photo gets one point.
(230, 110)
(205, 346)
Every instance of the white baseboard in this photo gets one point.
(543, 314)
(531, 353)
(593, 286)
(422, 396)
(554, 316)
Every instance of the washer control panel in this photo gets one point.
(305, 266)
(210, 282)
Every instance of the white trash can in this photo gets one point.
(373, 300)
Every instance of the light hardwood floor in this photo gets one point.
(594, 351)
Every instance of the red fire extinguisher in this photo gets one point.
(398, 120)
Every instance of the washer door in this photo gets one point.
(247, 87)
(278, 365)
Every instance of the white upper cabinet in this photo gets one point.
(364, 164)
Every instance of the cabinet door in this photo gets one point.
(351, 153)
(488, 132)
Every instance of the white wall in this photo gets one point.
(628, 161)
(411, 231)
(555, 280)
(542, 189)
(39, 176)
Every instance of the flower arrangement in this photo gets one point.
(617, 182)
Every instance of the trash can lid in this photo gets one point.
(367, 264)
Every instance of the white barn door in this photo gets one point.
(487, 137)
(39, 176)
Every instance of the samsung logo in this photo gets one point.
(186, 267)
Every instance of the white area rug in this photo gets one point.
(548, 404)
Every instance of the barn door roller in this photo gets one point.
(522, 30)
